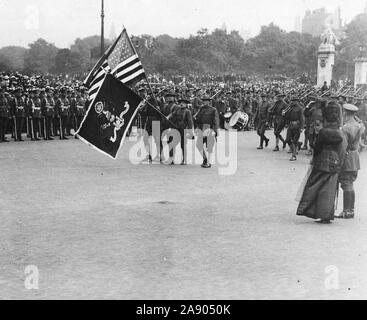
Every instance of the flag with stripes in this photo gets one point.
(121, 60)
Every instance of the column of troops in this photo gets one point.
(41, 113)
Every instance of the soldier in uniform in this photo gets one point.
(151, 117)
(48, 112)
(220, 105)
(307, 113)
(262, 121)
(295, 120)
(279, 121)
(79, 111)
(35, 114)
(353, 131)
(18, 113)
(362, 114)
(4, 115)
(208, 122)
(182, 118)
(63, 110)
(167, 110)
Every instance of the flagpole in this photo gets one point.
(102, 28)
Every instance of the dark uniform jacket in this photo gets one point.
(207, 118)
(182, 118)
(4, 107)
(262, 113)
(18, 107)
(35, 108)
(48, 105)
(295, 115)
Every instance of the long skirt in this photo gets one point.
(319, 196)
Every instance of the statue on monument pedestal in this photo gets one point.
(329, 37)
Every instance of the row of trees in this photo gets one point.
(273, 51)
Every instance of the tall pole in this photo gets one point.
(102, 29)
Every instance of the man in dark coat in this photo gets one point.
(353, 131)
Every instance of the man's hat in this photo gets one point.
(350, 107)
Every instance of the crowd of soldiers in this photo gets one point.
(44, 109)
(273, 106)
(31, 108)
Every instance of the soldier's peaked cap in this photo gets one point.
(350, 107)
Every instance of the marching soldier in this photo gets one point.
(182, 118)
(208, 122)
(279, 121)
(4, 115)
(167, 110)
(262, 121)
(48, 105)
(294, 117)
(18, 114)
(151, 116)
(353, 131)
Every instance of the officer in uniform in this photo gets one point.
(18, 105)
(4, 115)
(48, 112)
(279, 122)
(262, 121)
(353, 131)
(63, 110)
(182, 118)
(295, 120)
(208, 122)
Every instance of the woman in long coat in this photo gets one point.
(319, 196)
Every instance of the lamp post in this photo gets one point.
(102, 28)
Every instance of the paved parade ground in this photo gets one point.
(98, 228)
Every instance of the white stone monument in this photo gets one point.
(326, 58)
(360, 74)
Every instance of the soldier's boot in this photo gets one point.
(346, 206)
(266, 141)
(261, 144)
(350, 213)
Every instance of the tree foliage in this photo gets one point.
(273, 51)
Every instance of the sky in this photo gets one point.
(62, 21)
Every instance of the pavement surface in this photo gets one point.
(97, 228)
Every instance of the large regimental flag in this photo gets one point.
(110, 116)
